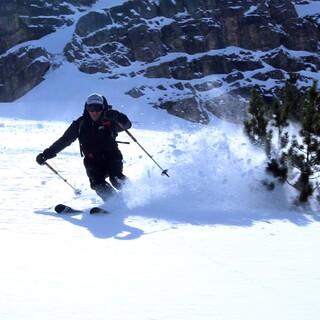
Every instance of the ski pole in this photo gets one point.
(164, 171)
(76, 191)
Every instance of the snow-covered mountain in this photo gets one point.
(209, 242)
(190, 58)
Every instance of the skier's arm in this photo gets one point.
(65, 140)
(124, 122)
(119, 120)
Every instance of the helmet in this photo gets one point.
(95, 98)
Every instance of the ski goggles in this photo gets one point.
(94, 107)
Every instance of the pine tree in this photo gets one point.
(304, 154)
(291, 98)
(256, 125)
(277, 165)
(286, 105)
(296, 153)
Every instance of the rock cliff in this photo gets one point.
(23, 67)
(196, 48)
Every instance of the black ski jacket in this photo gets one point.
(96, 138)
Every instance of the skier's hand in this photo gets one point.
(44, 156)
(41, 159)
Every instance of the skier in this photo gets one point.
(96, 131)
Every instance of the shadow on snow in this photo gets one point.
(118, 224)
(100, 225)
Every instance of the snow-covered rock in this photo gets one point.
(186, 45)
(21, 70)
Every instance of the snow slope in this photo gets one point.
(307, 8)
(207, 243)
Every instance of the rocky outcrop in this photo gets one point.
(194, 56)
(281, 59)
(228, 107)
(20, 71)
(22, 20)
(195, 39)
(183, 69)
(187, 108)
(144, 30)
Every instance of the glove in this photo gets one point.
(41, 159)
(44, 156)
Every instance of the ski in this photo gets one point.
(63, 208)
(96, 210)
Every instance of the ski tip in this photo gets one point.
(59, 208)
(96, 210)
(62, 208)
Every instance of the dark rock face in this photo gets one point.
(185, 40)
(196, 48)
(23, 20)
(274, 74)
(187, 108)
(228, 107)
(183, 69)
(22, 70)
(20, 21)
(282, 60)
(141, 30)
